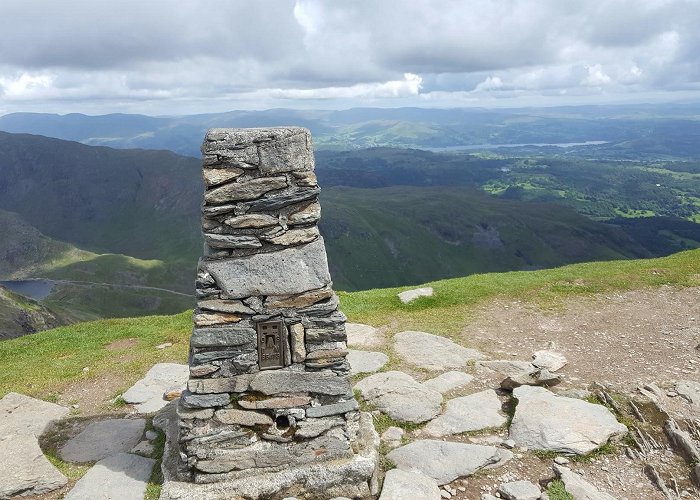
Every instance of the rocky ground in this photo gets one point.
(446, 408)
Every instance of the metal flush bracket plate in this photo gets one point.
(271, 345)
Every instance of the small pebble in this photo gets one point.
(561, 460)
(509, 443)
(163, 346)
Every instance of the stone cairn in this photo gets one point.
(269, 407)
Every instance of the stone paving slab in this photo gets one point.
(469, 413)
(23, 414)
(366, 361)
(360, 335)
(122, 476)
(147, 394)
(433, 352)
(404, 485)
(102, 439)
(447, 381)
(24, 470)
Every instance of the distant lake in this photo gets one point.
(35, 289)
(536, 144)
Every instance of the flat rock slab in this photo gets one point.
(433, 352)
(444, 461)
(122, 476)
(20, 414)
(360, 335)
(410, 295)
(366, 361)
(400, 396)
(508, 367)
(403, 485)
(287, 272)
(102, 439)
(147, 393)
(469, 413)
(579, 487)
(546, 421)
(447, 381)
(24, 470)
(519, 490)
(689, 390)
(551, 360)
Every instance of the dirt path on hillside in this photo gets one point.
(617, 339)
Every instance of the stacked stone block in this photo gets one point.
(268, 388)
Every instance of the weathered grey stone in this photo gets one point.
(280, 381)
(579, 488)
(190, 400)
(308, 215)
(332, 409)
(366, 361)
(400, 396)
(312, 427)
(24, 470)
(293, 236)
(147, 394)
(275, 403)
(20, 414)
(298, 301)
(317, 354)
(392, 437)
(281, 201)
(102, 439)
(469, 413)
(363, 335)
(539, 377)
(444, 461)
(519, 490)
(298, 344)
(410, 295)
(448, 381)
(227, 336)
(689, 390)
(188, 414)
(203, 370)
(305, 179)
(286, 272)
(231, 241)
(216, 176)
(432, 352)
(287, 153)
(144, 448)
(404, 485)
(249, 190)
(239, 383)
(242, 417)
(681, 442)
(124, 476)
(215, 319)
(507, 367)
(225, 306)
(565, 425)
(251, 220)
(550, 360)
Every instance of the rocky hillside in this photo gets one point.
(20, 315)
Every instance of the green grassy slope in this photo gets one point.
(20, 315)
(44, 364)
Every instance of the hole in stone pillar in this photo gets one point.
(282, 422)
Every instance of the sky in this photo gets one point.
(199, 56)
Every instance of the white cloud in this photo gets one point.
(409, 86)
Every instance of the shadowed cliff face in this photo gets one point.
(20, 315)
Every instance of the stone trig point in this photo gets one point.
(269, 410)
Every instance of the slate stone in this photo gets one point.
(147, 394)
(332, 409)
(432, 352)
(312, 427)
(565, 425)
(404, 485)
(102, 439)
(308, 215)
(242, 417)
(238, 383)
(392, 437)
(469, 413)
(123, 476)
(448, 381)
(410, 295)
(190, 400)
(365, 361)
(298, 301)
(294, 236)
(286, 272)
(20, 414)
(519, 490)
(579, 487)
(251, 221)
(216, 176)
(280, 381)
(508, 367)
(363, 335)
(241, 191)
(231, 241)
(444, 461)
(225, 336)
(689, 390)
(400, 396)
(24, 470)
(280, 201)
(287, 153)
(539, 377)
(550, 360)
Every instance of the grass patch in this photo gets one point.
(155, 483)
(71, 471)
(43, 364)
(557, 491)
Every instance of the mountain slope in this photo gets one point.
(20, 315)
